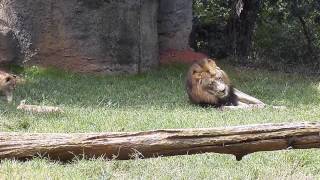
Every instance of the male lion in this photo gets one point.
(207, 84)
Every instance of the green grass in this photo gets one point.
(156, 100)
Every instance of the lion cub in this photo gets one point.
(7, 85)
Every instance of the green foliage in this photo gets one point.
(280, 44)
(156, 100)
(287, 33)
(211, 11)
(280, 37)
(210, 20)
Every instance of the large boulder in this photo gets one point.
(101, 36)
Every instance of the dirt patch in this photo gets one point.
(181, 56)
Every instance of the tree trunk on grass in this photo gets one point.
(238, 140)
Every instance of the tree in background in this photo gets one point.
(288, 32)
(240, 28)
(273, 33)
(210, 20)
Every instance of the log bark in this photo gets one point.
(238, 140)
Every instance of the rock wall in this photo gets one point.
(101, 36)
(175, 24)
(9, 47)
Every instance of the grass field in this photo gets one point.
(157, 100)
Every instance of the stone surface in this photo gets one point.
(175, 24)
(101, 36)
(9, 47)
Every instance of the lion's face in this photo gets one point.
(214, 84)
(207, 83)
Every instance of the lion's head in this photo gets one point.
(208, 84)
(7, 81)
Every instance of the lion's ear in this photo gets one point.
(196, 75)
(196, 69)
(211, 67)
(225, 77)
(212, 61)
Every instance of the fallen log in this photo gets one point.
(238, 140)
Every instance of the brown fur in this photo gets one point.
(7, 85)
(207, 84)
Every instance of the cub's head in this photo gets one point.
(208, 84)
(7, 81)
(7, 85)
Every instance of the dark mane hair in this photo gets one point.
(230, 100)
(199, 95)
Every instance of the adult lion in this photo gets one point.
(207, 84)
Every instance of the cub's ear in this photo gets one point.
(8, 78)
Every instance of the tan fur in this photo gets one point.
(7, 85)
(208, 84)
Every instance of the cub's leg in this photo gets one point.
(9, 95)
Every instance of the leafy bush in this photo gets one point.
(287, 33)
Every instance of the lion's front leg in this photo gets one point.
(242, 105)
(246, 99)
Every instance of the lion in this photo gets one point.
(7, 85)
(207, 85)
